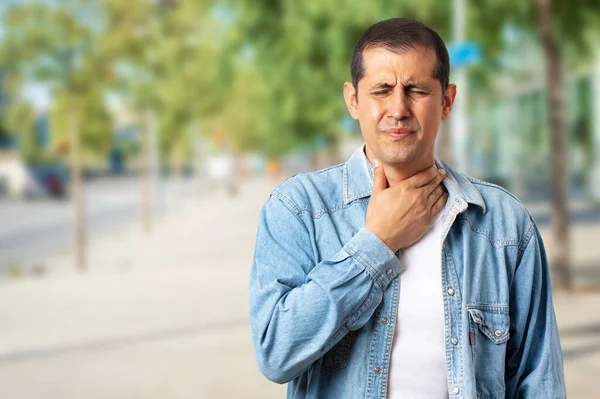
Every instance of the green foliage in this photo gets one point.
(92, 117)
(56, 45)
(268, 73)
(20, 118)
(166, 61)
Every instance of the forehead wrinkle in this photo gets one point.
(391, 83)
(381, 60)
(382, 85)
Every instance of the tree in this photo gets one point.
(167, 70)
(561, 27)
(555, 83)
(95, 133)
(55, 44)
(20, 119)
(167, 61)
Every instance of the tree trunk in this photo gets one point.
(77, 194)
(145, 170)
(560, 254)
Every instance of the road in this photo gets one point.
(34, 230)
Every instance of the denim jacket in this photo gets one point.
(324, 291)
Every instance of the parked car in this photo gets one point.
(22, 181)
(52, 179)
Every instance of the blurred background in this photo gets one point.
(139, 139)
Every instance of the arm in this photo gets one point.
(300, 309)
(534, 362)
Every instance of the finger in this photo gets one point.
(422, 178)
(435, 183)
(379, 180)
(435, 194)
(439, 205)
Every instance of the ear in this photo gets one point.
(448, 101)
(351, 100)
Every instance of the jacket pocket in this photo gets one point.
(492, 320)
(337, 357)
(489, 331)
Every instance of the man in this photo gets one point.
(392, 275)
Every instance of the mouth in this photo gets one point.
(398, 133)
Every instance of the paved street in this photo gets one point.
(166, 315)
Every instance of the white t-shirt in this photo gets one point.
(418, 360)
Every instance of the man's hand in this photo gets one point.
(400, 215)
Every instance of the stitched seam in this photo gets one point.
(287, 201)
(447, 310)
(388, 337)
(525, 242)
(329, 168)
(318, 214)
(345, 182)
(359, 195)
(345, 352)
(485, 183)
(372, 271)
(468, 179)
(495, 243)
(374, 341)
(289, 204)
(449, 273)
(492, 307)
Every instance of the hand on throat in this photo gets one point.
(398, 173)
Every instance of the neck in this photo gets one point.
(398, 173)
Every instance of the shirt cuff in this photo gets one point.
(375, 256)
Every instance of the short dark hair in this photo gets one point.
(398, 34)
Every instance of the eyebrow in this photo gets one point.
(408, 85)
(416, 85)
(381, 85)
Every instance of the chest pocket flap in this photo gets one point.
(492, 320)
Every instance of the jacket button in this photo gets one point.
(454, 341)
(456, 390)
(498, 333)
(389, 271)
(450, 291)
(384, 320)
(377, 370)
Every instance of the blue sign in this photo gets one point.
(464, 54)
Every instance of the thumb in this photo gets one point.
(379, 179)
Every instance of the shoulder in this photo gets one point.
(313, 192)
(495, 195)
(506, 216)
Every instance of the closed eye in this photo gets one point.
(416, 88)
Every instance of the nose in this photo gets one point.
(399, 106)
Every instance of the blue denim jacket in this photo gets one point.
(324, 291)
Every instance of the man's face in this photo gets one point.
(399, 105)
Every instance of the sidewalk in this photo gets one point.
(161, 316)
(166, 315)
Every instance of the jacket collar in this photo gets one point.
(358, 181)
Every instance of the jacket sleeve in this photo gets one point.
(534, 361)
(299, 308)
